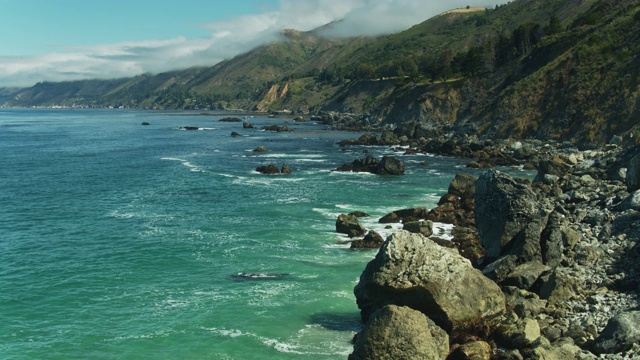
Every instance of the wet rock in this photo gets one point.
(230, 119)
(349, 225)
(247, 125)
(286, 169)
(387, 166)
(412, 270)
(268, 169)
(372, 240)
(404, 215)
(359, 214)
(277, 128)
(261, 149)
(390, 166)
(399, 332)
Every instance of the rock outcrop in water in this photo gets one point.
(349, 225)
(388, 165)
(273, 169)
(372, 240)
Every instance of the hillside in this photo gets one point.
(548, 69)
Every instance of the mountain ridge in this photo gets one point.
(546, 69)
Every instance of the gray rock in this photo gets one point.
(395, 332)
(504, 208)
(620, 334)
(525, 275)
(412, 270)
(551, 167)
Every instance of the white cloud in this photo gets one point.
(227, 39)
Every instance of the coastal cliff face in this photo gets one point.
(560, 278)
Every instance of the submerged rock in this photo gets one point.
(399, 332)
(259, 276)
(412, 270)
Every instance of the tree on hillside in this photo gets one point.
(554, 26)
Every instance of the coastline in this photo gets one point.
(586, 244)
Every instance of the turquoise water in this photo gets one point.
(123, 241)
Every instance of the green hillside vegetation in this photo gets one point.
(549, 69)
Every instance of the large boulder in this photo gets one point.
(504, 208)
(395, 332)
(412, 270)
(621, 332)
(349, 224)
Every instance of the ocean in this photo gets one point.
(124, 241)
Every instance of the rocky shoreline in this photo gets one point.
(542, 269)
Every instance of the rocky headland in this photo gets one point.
(537, 269)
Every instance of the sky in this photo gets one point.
(59, 40)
